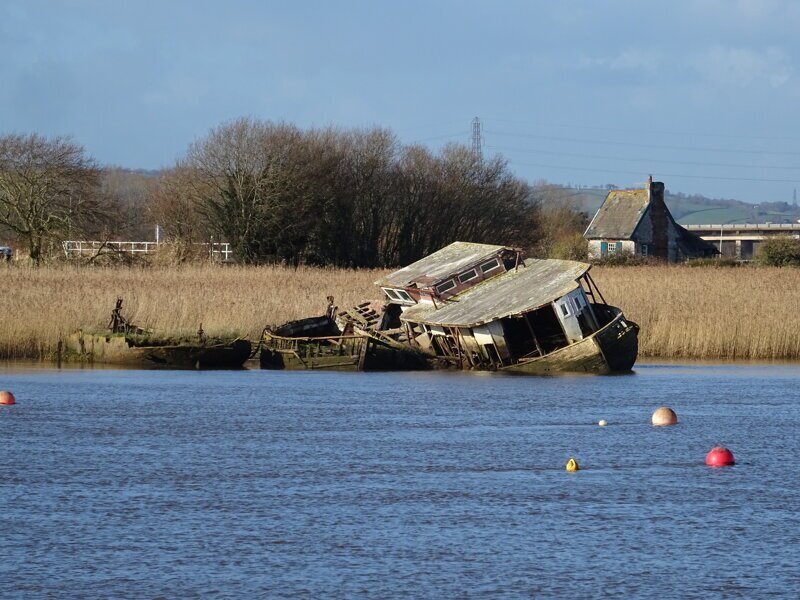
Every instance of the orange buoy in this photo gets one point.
(720, 456)
(7, 398)
(664, 416)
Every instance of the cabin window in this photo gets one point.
(447, 285)
(400, 295)
(565, 309)
(645, 250)
(578, 302)
(612, 247)
(489, 266)
(468, 276)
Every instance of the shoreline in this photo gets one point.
(15, 366)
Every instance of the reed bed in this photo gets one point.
(709, 313)
(40, 305)
(689, 313)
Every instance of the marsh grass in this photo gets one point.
(709, 313)
(684, 312)
(41, 305)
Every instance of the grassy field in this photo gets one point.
(703, 313)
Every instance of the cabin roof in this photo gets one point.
(537, 282)
(441, 265)
(619, 215)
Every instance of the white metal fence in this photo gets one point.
(76, 248)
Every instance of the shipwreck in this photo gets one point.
(469, 306)
(347, 341)
(127, 344)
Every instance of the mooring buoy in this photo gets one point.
(7, 398)
(664, 416)
(602, 422)
(719, 456)
(572, 465)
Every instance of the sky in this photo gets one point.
(701, 94)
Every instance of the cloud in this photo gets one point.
(629, 59)
(743, 67)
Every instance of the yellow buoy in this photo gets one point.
(572, 465)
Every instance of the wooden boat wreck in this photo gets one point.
(320, 343)
(150, 352)
(485, 307)
(129, 345)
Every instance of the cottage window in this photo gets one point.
(468, 276)
(645, 249)
(391, 293)
(489, 266)
(404, 295)
(612, 247)
(447, 285)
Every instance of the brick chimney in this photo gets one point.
(655, 190)
(659, 218)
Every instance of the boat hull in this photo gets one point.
(359, 352)
(118, 350)
(611, 349)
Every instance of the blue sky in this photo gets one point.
(703, 94)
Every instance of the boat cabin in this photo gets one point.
(517, 310)
(448, 272)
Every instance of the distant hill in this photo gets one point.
(696, 209)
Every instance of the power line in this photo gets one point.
(650, 131)
(711, 177)
(429, 126)
(645, 160)
(641, 145)
(460, 134)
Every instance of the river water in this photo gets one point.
(176, 484)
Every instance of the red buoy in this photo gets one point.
(719, 456)
(7, 398)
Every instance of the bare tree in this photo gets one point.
(127, 193)
(370, 167)
(348, 198)
(48, 189)
(172, 204)
(562, 222)
(243, 184)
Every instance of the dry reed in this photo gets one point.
(709, 313)
(39, 305)
(699, 313)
